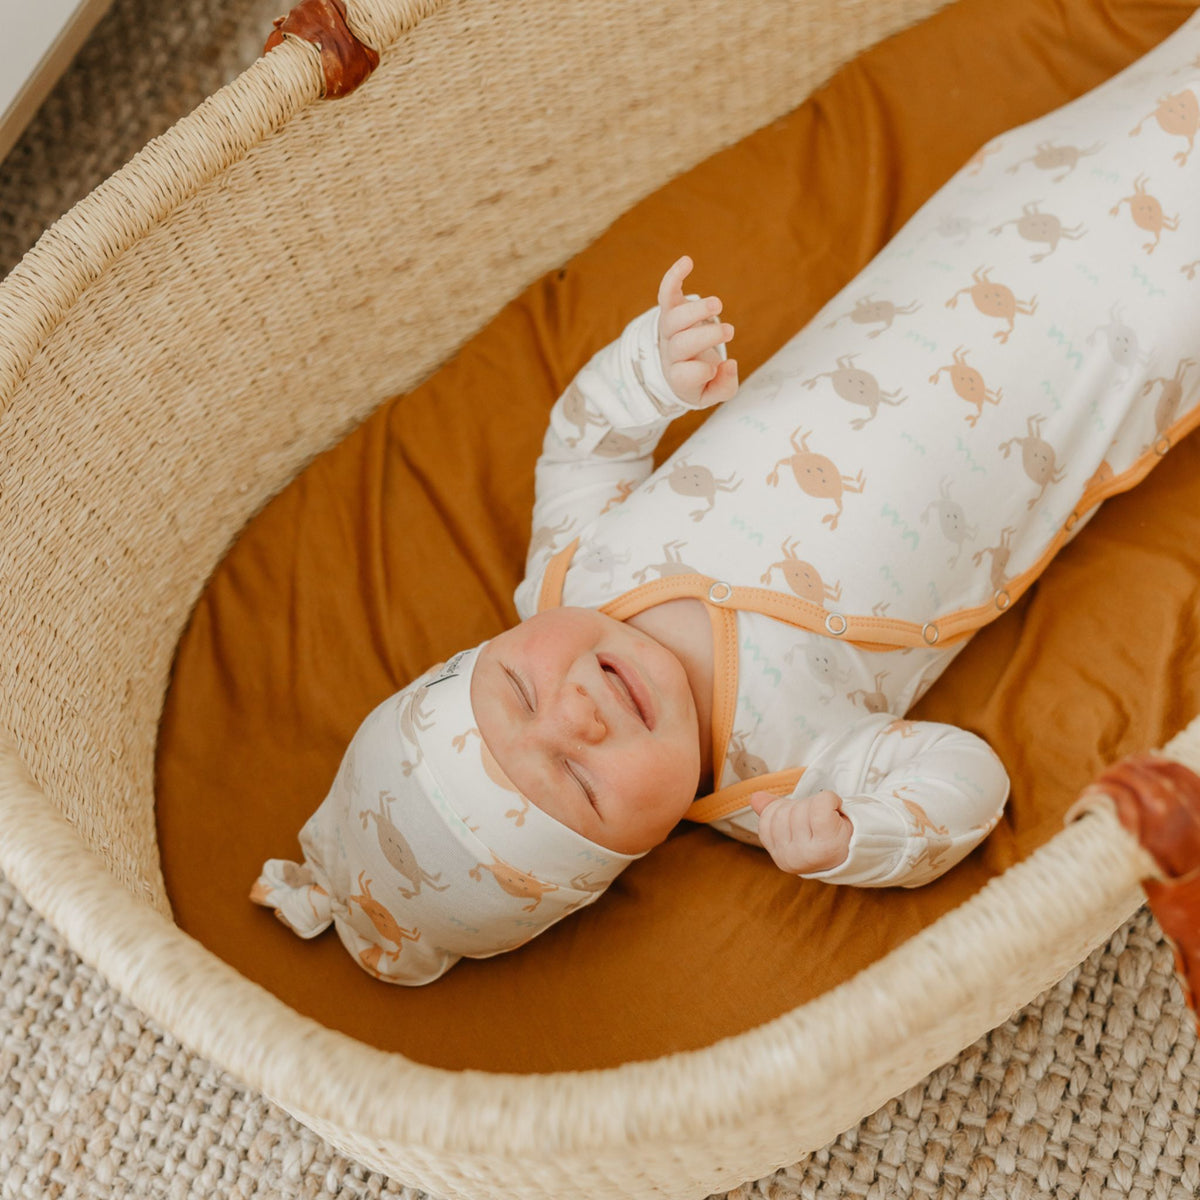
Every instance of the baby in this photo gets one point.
(736, 637)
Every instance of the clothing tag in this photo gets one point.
(449, 669)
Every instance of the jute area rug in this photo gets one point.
(1090, 1092)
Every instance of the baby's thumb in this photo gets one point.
(759, 800)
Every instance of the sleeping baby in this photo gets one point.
(735, 638)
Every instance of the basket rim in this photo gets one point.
(1081, 874)
(81, 245)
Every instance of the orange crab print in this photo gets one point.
(903, 727)
(1036, 226)
(1190, 269)
(1169, 400)
(857, 387)
(817, 476)
(995, 300)
(968, 385)
(491, 768)
(999, 554)
(515, 882)
(1147, 213)
(1049, 156)
(802, 577)
(922, 825)
(385, 924)
(1037, 457)
(875, 312)
(1178, 115)
(624, 489)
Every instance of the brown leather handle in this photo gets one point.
(345, 61)
(1158, 801)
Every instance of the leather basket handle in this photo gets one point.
(345, 61)
(1158, 801)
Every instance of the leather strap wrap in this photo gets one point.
(1158, 801)
(345, 61)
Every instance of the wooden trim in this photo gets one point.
(49, 69)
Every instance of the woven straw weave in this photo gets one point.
(171, 353)
(1089, 1093)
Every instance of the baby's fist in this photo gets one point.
(803, 835)
(690, 336)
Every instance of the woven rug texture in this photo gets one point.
(1089, 1093)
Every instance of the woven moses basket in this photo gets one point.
(132, 451)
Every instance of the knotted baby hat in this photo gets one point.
(422, 853)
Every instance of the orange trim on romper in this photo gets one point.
(725, 680)
(550, 593)
(733, 798)
(869, 633)
(880, 633)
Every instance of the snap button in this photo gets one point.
(835, 624)
(1003, 599)
(1161, 445)
(1071, 522)
(929, 631)
(720, 591)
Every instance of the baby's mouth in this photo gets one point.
(630, 690)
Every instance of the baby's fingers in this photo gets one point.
(689, 378)
(722, 386)
(696, 339)
(686, 313)
(670, 290)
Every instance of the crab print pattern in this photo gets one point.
(802, 577)
(817, 476)
(968, 384)
(397, 851)
(697, 481)
(1037, 457)
(867, 311)
(1177, 114)
(514, 881)
(995, 300)
(385, 925)
(1039, 227)
(1053, 156)
(922, 447)
(857, 387)
(1147, 213)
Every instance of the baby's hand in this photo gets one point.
(805, 835)
(688, 336)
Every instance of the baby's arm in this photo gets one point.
(886, 802)
(603, 429)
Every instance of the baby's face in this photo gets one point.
(594, 722)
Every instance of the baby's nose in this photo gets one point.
(581, 719)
